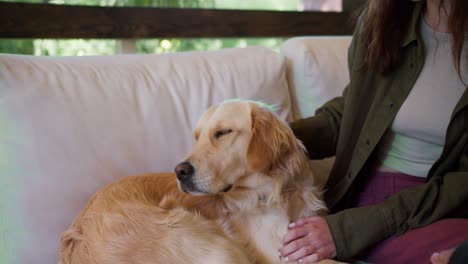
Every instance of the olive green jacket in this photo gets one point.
(351, 126)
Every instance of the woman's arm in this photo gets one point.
(319, 133)
(347, 233)
(355, 229)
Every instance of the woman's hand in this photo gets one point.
(442, 257)
(308, 240)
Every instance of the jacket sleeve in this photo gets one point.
(356, 229)
(319, 133)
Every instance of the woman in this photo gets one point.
(398, 190)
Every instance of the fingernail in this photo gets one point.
(436, 254)
(300, 261)
(291, 225)
(286, 259)
(279, 253)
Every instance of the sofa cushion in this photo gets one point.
(71, 125)
(317, 71)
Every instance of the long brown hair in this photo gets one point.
(386, 24)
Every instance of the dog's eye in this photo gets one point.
(221, 133)
(196, 135)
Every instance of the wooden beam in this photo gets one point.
(19, 20)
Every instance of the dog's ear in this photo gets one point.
(270, 139)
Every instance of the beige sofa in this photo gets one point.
(71, 125)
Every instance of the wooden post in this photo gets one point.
(127, 46)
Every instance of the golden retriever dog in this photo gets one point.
(230, 200)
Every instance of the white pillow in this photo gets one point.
(71, 125)
(317, 71)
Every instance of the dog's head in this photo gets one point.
(233, 140)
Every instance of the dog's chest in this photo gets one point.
(263, 232)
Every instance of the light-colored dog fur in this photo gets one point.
(147, 219)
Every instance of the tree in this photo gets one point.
(95, 47)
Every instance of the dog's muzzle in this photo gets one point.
(184, 171)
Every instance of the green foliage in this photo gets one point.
(279, 5)
(25, 1)
(153, 3)
(222, 4)
(175, 45)
(102, 47)
(75, 47)
(170, 3)
(17, 46)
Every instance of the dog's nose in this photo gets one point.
(184, 171)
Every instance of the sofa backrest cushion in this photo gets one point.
(71, 125)
(317, 71)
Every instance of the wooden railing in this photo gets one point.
(19, 20)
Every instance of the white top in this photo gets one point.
(417, 135)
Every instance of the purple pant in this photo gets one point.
(414, 246)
